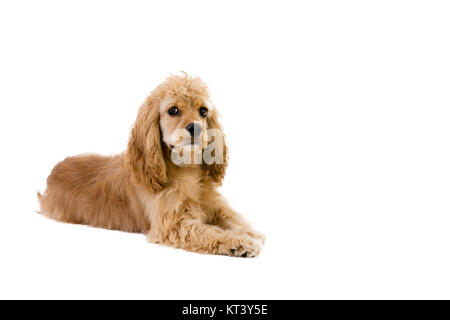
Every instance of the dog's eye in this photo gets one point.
(173, 111)
(203, 111)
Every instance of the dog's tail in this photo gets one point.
(40, 197)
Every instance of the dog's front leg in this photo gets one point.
(184, 226)
(221, 214)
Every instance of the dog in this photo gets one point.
(163, 185)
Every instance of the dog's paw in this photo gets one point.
(252, 234)
(244, 247)
(257, 235)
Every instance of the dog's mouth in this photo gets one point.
(190, 144)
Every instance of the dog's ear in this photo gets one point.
(144, 154)
(216, 170)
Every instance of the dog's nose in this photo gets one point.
(194, 129)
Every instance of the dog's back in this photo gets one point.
(93, 190)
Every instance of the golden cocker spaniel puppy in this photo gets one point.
(164, 184)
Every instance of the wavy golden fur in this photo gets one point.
(143, 190)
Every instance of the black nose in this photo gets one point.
(194, 129)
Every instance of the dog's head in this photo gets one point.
(178, 118)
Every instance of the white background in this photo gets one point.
(337, 116)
